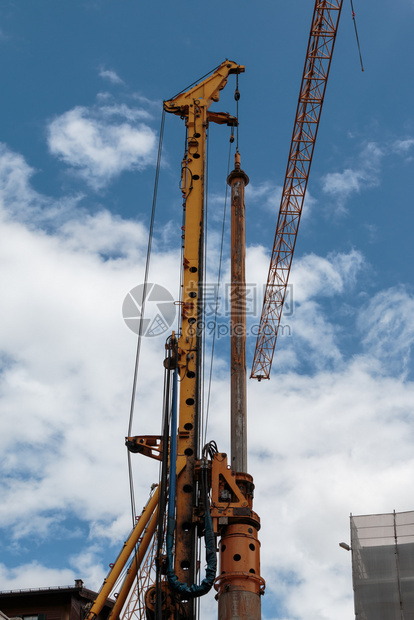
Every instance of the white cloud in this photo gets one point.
(104, 96)
(99, 150)
(343, 183)
(365, 171)
(15, 189)
(364, 174)
(387, 326)
(403, 146)
(88, 564)
(313, 280)
(315, 276)
(150, 103)
(111, 76)
(4, 36)
(66, 370)
(34, 575)
(314, 446)
(104, 234)
(328, 433)
(61, 330)
(21, 202)
(124, 111)
(268, 195)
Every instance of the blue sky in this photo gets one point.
(331, 433)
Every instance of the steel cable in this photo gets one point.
(356, 34)
(216, 301)
(141, 322)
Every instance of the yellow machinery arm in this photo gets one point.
(193, 106)
(204, 93)
(138, 540)
(239, 586)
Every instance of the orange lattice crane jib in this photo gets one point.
(312, 91)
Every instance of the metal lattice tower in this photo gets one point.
(315, 75)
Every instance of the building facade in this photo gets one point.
(383, 566)
(59, 603)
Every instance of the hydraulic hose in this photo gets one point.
(195, 590)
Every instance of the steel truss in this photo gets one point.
(315, 75)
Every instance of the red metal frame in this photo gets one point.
(315, 75)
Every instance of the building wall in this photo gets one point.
(69, 603)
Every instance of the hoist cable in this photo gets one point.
(131, 487)
(356, 34)
(202, 408)
(163, 477)
(184, 197)
(237, 98)
(216, 303)
(141, 322)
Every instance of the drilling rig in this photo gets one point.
(202, 494)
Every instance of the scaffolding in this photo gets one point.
(383, 566)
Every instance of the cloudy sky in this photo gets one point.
(332, 432)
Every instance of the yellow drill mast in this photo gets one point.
(193, 106)
(231, 491)
(205, 495)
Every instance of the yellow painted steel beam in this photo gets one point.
(134, 567)
(193, 106)
(122, 559)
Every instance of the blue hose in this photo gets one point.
(194, 590)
